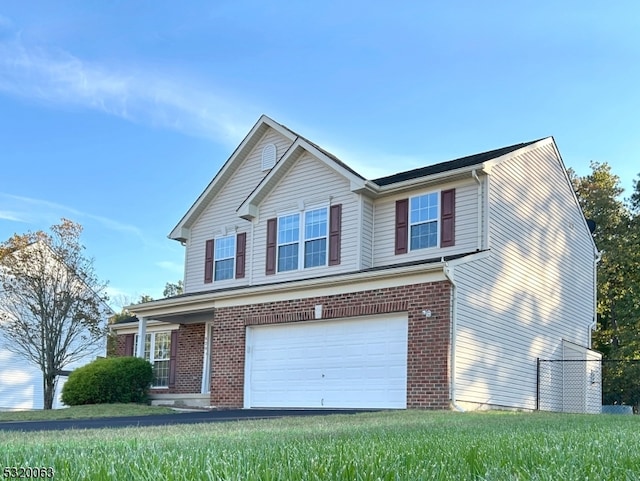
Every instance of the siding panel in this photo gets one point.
(309, 184)
(219, 218)
(534, 289)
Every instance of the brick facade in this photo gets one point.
(428, 349)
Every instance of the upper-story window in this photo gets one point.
(303, 240)
(315, 238)
(311, 240)
(224, 257)
(424, 221)
(288, 242)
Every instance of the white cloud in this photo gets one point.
(36, 211)
(146, 97)
(9, 215)
(174, 267)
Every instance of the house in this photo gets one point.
(308, 285)
(21, 381)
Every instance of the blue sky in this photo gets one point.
(117, 114)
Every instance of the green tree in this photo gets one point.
(52, 307)
(172, 290)
(617, 236)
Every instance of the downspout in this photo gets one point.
(251, 262)
(593, 326)
(474, 174)
(448, 272)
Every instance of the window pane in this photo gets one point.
(223, 270)
(289, 229)
(424, 235)
(225, 248)
(161, 373)
(315, 224)
(162, 345)
(315, 252)
(424, 208)
(287, 257)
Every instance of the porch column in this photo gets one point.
(142, 331)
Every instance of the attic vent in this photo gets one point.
(268, 156)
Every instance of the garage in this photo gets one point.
(346, 363)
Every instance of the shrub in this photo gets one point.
(110, 380)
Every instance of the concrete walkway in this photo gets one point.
(166, 419)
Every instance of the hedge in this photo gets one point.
(109, 380)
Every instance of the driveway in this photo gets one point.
(165, 419)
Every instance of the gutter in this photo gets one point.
(448, 272)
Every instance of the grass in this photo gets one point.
(88, 411)
(402, 445)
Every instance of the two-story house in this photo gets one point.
(308, 285)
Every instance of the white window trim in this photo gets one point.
(234, 257)
(301, 238)
(438, 221)
(152, 349)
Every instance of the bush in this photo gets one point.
(110, 380)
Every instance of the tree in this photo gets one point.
(617, 236)
(172, 290)
(52, 306)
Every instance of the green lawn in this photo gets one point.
(399, 445)
(79, 412)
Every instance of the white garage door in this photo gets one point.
(334, 364)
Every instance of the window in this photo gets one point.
(225, 258)
(424, 221)
(224, 255)
(157, 350)
(303, 240)
(313, 240)
(288, 242)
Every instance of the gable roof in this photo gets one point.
(359, 184)
(181, 231)
(249, 207)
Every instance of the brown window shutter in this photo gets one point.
(208, 262)
(272, 240)
(241, 246)
(128, 344)
(335, 228)
(402, 226)
(173, 354)
(447, 218)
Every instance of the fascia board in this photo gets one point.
(438, 178)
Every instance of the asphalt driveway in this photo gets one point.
(166, 419)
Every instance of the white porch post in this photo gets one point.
(142, 331)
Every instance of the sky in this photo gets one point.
(117, 114)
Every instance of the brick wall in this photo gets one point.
(428, 350)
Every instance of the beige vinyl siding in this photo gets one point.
(366, 238)
(466, 221)
(220, 215)
(534, 289)
(308, 184)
